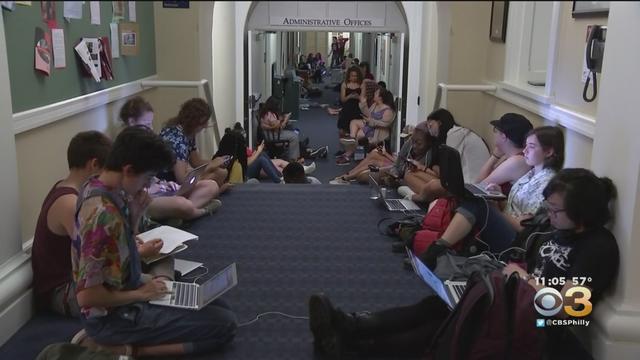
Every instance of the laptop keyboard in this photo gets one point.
(395, 204)
(457, 289)
(185, 294)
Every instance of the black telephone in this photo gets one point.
(594, 55)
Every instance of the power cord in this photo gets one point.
(197, 277)
(273, 313)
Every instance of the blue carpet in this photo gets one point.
(288, 241)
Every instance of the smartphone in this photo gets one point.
(373, 168)
(227, 160)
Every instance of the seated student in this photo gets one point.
(374, 126)
(164, 205)
(180, 132)
(294, 174)
(110, 290)
(544, 152)
(472, 149)
(378, 158)
(578, 206)
(274, 125)
(53, 287)
(506, 164)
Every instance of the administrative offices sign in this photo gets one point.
(328, 23)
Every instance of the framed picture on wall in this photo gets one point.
(498, 28)
(590, 8)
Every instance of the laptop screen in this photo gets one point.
(219, 284)
(431, 279)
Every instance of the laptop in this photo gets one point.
(190, 180)
(452, 179)
(393, 204)
(449, 291)
(194, 296)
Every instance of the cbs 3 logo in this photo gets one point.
(548, 301)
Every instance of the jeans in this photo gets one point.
(263, 163)
(292, 137)
(143, 324)
(498, 232)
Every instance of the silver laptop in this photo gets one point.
(193, 296)
(393, 204)
(190, 180)
(449, 291)
(480, 191)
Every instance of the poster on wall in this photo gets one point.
(72, 10)
(43, 51)
(129, 38)
(118, 11)
(48, 10)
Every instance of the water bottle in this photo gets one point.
(374, 188)
(359, 153)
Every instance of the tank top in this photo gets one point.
(51, 253)
(348, 91)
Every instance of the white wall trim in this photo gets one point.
(544, 107)
(15, 294)
(31, 119)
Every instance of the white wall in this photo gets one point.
(225, 66)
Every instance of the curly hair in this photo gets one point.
(358, 72)
(134, 108)
(193, 113)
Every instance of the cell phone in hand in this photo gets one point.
(373, 168)
(227, 160)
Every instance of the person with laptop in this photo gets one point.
(544, 152)
(579, 245)
(171, 202)
(112, 294)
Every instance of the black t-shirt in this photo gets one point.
(592, 253)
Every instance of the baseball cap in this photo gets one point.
(514, 126)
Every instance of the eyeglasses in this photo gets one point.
(550, 210)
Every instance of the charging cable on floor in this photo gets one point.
(273, 313)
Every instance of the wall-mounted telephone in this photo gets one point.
(594, 53)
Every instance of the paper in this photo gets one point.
(85, 57)
(43, 51)
(171, 237)
(105, 58)
(94, 46)
(59, 59)
(185, 266)
(115, 41)
(132, 11)
(95, 12)
(73, 9)
(118, 11)
(149, 260)
(24, 3)
(48, 11)
(129, 38)
(9, 5)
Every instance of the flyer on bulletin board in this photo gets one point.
(48, 10)
(43, 51)
(129, 38)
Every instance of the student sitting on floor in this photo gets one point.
(472, 149)
(578, 206)
(275, 126)
(180, 132)
(374, 126)
(544, 152)
(294, 174)
(53, 287)
(164, 205)
(111, 292)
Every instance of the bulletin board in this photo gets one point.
(31, 88)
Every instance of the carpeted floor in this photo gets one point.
(288, 241)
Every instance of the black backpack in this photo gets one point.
(495, 319)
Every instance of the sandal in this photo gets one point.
(82, 338)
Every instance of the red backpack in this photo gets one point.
(434, 224)
(495, 319)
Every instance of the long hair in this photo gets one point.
(234, 144)
(387, 98)
(446, 123)
(193, 113)
(551, 137)
(358, 72)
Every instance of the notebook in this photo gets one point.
(190, 180)
(185, 266)
(393, 204)
(452, 179)
(173, 241)
(449, 291)
(193, 296)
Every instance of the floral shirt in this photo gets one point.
(180, 143)
(101, 252)
(526, 196)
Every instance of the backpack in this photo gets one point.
(434, 224)
(495, 319)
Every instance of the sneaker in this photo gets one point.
(212, 206)
(347, 141)
(405, 192)
(340, 181)
(320, 152)
(309, 169)
(326, 338)
(343, 160)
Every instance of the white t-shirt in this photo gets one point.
(473, 151)
(526, 196)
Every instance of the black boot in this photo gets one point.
(326, 337)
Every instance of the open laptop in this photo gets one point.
(449, 291)
(452, 179)
(190, 180)
(393, 204)
(193, 296)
